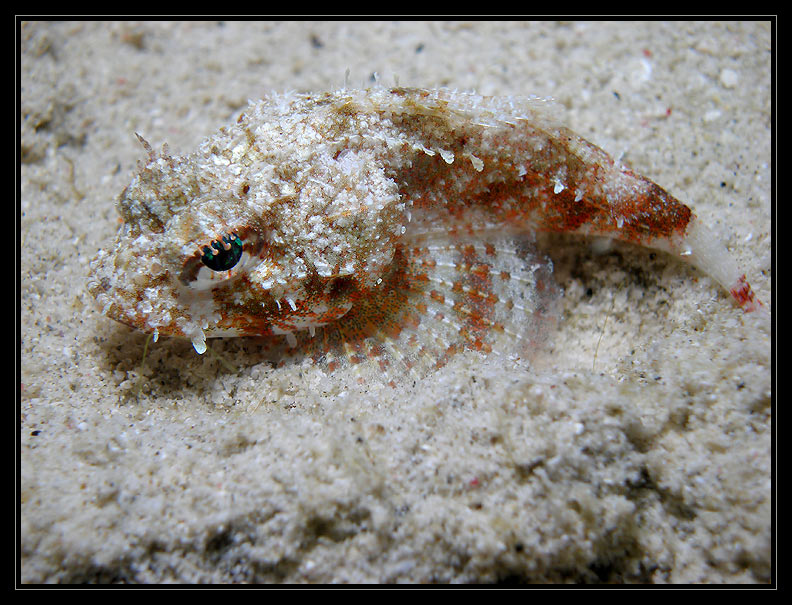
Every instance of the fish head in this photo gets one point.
(210, 248)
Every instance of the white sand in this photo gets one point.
(649, 464)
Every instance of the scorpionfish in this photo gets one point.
(385, 225)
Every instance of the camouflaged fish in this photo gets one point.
(382, 225)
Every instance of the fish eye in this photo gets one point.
(222, 259)
(223, 254)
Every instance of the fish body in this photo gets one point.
(388, 225)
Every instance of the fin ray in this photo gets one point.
(438, 300)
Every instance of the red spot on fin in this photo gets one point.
(744, 295)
